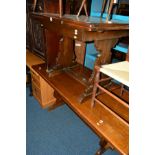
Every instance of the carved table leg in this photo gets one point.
(60, 54)
(103, 147)
(104, 57)
(67, 55)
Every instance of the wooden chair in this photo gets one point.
(83, 4)
(117, 71)
(107, 4)
(107, 7)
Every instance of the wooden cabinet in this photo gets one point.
(42, 91)
(34, 30)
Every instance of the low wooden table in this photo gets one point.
(69, 28)
(112, 132)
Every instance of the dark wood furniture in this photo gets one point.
(34, 31)
(37, 40)
(123, 7)
(112, 132)
(73, 82)
(67, 29)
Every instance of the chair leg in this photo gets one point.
(122, 89)
(29, 80)
(97, 77)
(83, 4)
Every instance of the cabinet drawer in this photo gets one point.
(35, 79)
(73, 33)
(36, 92)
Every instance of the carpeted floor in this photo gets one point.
(59, 132)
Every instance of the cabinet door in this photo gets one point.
(38, 38)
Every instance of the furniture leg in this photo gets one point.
(34, 5)
(60, 8)
(31, 94)
(103, 7)
(104, 57)
(82, 4)
(95, 85)
(29, 80)
(61, 55)
(85, 8)
(103, 147)
(109, 9)
(66, 56)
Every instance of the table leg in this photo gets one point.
(61, 55)
(104, 57)
(103, 147)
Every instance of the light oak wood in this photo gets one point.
(114, 131)
(83, 4)
(42, 91)
(32, 59)
(60, 8)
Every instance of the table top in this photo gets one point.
(87, 23)
(116, 132)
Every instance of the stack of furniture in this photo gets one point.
(65, 78)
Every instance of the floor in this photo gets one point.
(59, 132)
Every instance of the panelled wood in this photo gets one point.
(38, 38)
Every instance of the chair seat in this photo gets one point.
(118, 71)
